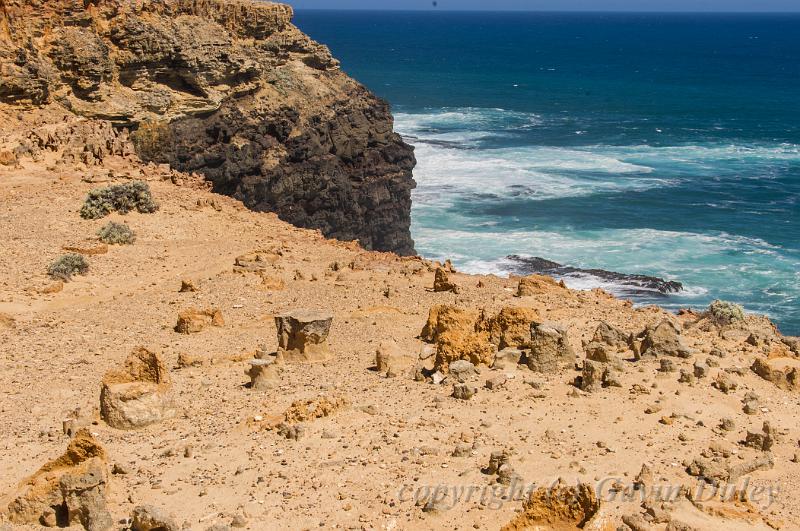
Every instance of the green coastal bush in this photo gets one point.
(121, 198)
(725, 313)
(68, 265)
(116, 234)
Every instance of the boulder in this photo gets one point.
(596, 375)
(151, 518)
(192, 321)
(606, 343)
(445, 318)
(535, 284)
(464, 391)
(461, 370)
(511, 327)
(786, 378)
(263, 374)
(137, 395)
(474, 347)
(303, 335)
(508, 358)
(663, 340)
(391, 361)
(70, 490)
(442, 282)
(763, 440)
(549, 349)
(497, 460)
(592, 376)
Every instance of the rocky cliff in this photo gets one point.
(227, 88)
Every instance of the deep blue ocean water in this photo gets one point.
(659, 144)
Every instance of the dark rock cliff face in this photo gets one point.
(227, 88)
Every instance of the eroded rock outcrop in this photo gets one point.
(227, 88)
(138, 394)
(67, 491)
(559, 507)
(303, 336)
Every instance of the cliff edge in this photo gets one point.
(229, 89)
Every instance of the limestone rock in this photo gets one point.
(725, 383)
(464, 391)
(559, 507)
(455, 332)
(663, 340)
(391, 361)
(187, 286)
(764, 440)
(511, 327)
(592, 377)
(445, 318)
(550, 349)
(606, 342)
(716, 470)
(461, 370)
(152, 518)
(474, 347)
(596, 375)
(314, 408)
(666, 365)
(442, 282)
(139, 394)
(497, 459)
(700, 369)
(787, 378)
(508, 358)
(69, 490)
(263, 374)
(192, 321)
(303, 335)
(535, 284)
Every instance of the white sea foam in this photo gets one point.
(700, 261)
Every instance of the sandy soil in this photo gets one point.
(367, 465)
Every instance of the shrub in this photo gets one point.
(68, 265)
(725, 313)
(121, 198)
(152, 139)
(116, 234)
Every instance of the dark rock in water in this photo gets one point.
(633, 285)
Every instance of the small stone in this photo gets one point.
(666, 365)
(461, 370)
(496, 382)
(464, 391)
(700, 369)
(151, 518)
(187, 286)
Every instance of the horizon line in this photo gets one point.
(565, 11)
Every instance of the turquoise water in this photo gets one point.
(665, 145)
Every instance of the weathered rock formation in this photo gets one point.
(67, 491)
(229, 89)
(303, 336)
(139, 394)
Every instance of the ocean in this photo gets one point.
(656, 144)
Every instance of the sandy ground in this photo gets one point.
(367, 465)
